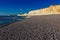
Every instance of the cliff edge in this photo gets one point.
(53, 9)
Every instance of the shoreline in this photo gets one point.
(37, 28)
(3, 25)
(23, 19)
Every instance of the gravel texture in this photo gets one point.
(33, 28)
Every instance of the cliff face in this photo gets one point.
(53, 9)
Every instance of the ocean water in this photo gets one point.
(9, 19)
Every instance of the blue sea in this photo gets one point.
(9, 19)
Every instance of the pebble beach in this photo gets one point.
(46, 27)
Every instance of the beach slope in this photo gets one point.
(46, 27)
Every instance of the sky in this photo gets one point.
(8, 7)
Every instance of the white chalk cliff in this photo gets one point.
(53, 9)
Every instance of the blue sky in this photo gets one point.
(18, 6)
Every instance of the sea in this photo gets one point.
(4, 20)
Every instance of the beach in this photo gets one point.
(6, 20)
(46, 27)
